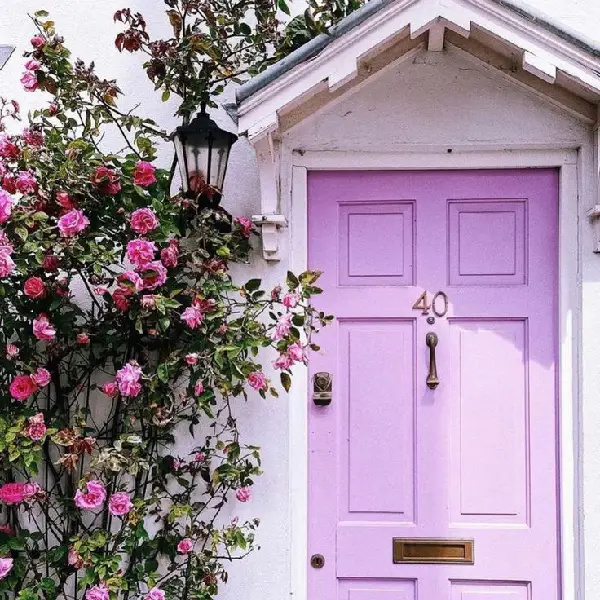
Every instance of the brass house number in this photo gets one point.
(424, 306)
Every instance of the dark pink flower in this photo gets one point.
(106, 180)
(6, 204)
(37, 41)
(120, 299)
(245, 225)
(21, 387)
(191, 358)
(192, 316)
(98, 592)
(15, 493)
(34, 288)
(8, 149)
(185, 546)
(36, 428)
(257, 380)
(64, 200)
(143, 220)
(170, 256)
(29, 81)
(119, 504)
(26, 183)
(110, 388)
(153, 274)
(50, 263)
(83, 339)
(72, 223)
(291, 300)
(243, 494)
(93, 497)
(140, 252)
(199, 388)
(7, 529)
(144, 174)
(33, 137)
(128, 379)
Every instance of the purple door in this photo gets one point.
(427, 492)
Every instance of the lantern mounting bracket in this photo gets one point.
(270, 226)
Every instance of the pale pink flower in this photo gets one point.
(128, 379)
(26, 182)
(191, 358)
(199, 388)
(41, 377)
(245, 224)
(6, 205)
(6, 564)
(140, 252)
(43, 329)
(155, 594)
(29, 81)
(144, 174)
(93, 497)
(110, 388)
(200, 457)
(284, 362)
(36, 428)
(119, 504)
(33, 65)
(282, 328)
(12, 351)
(153, 274)
(21, 387)
(192, 316)
(143, 220)
(257, 380)
(291, 300)
(243, 494)
(74, 558)
(170, 256)
(296, 352)
(37, 41)
(185, 546)
(7, 265)
(72, 223)
(98, 592)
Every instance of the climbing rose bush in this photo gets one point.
(122, 331)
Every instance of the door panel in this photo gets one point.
(474, 458)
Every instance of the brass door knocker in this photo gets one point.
(431, 339)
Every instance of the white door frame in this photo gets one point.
(568, 160)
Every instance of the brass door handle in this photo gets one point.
(431, 339)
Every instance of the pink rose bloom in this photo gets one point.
(33, 137)
(6, 564)
(64, 200)
(119, 504)
(13, 493)
(199, 388)
(43, 329)
(291, 300)
(37, 41)
(9, 184)
(6, 204)
(148, 302)
(128, 379)
(72, 223)
(200, 457)
(74, 558)
(140, 252)
(7, 529)
(245, 224)
(12, 351)
(7, 265)
(29, 81)
(170, 256)
(243, 494)
(50, 263)
(185, 546)
(98, 592)
(110, 388)
(83, 339)
(36, 428)
(153, 274)
(33, 65)
(192, 316)
(144, 174)
(120, 299)
(21, 387)
(296, 353)
(191, 358)
(282, 328)
(106, 180)
(100, 290)
(155, 594)
(283, 362)
(257, 380)
(131, 282)
(143, 220)
(41, 377)
(8, 149)
(34, 287)
(26, 183)
(93, 497)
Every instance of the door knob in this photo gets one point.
(431, 340)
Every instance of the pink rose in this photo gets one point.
(72, 223)
(41, 377)
(6, 564)
(37, 41)
(143, 220)
(64, 200)
(120, 299)
(83, 339)
(192, 315)
(106, 180)
(36, 428)
(128, 379)
(200, 457)
(15, 493)
(33, 137)
(170, 256)
(296, 352)
(93, 497)
(284, 362)
(29, 81)
(191, 358)
(119, 504)
(257, 380)
(185, 546)
(9, 184)
(50, 263)
(74, 558)
(7, 265)
(43, 329)
(130, 282)
(110, 388)
(291, 300)
(26, 183)
(6, 204)
(34, 288)
(8, 148)
(21, 387)
(153, 275)
(140, 252)
(98, 592)
(282, 328)
(33, 65)
(243, 494)
(245, 225)
(199, 388)
(155, 594)
(12, 351)
(144, 174)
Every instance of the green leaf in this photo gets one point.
(22, 232)
(284, 7)
(286, 381)
(292, 281)
(165, 95)
(253, 285)
(162, 372)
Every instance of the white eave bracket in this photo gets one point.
(270, 226)
(594, 216)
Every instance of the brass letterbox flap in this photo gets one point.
(433, 551)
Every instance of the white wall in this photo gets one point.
(414, 104)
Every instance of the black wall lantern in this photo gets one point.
(203, 149)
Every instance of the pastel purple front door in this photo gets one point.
(473, 461)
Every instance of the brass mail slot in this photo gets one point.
(432, 551)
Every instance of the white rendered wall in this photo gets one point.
(432, 100)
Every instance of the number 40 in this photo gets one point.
(423, 305)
